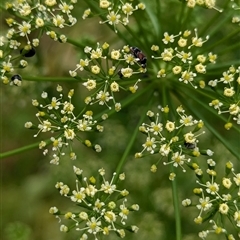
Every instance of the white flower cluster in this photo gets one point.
(172, 139)
(101, 208)
(185, 64)
(107, 72)
(218, 200)
(210, 4)
(116, 13)
(30, 17)
(57, 116)
(228, 98)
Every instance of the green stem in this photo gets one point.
(229, 49)
(94, 7)
(216, 21)
(159, 16)
(198, 99)
(218, 68)
(21, 149)
(186, 16)
(129, 146)
(176, 207)
(49, 79)
(34, 145)
(152, 20)
(181, 14)
(134, 35)
(131, 142)
(127, 101)
(76, 43)
(229, 36)
(201, 105)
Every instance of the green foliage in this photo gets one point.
(17, 230)
(123, 87)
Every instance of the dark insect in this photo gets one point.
(120, 73)
(28, 51)
(189, 145)
(16, 80)
(137, 53)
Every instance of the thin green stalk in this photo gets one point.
(229, 36)
(129, 146)
(176, 207)
(203, 104)
(49, 79)
(159, 15)
(21, 149)
(216, 21)
(231, 48)
(180, 17)
(222, 138)
(93, 6)
(34, 145)
(131, 142)
(134, 35)
(166, 100)
(218, 69)
(127, 101)
(186, 16)
(153, 18)
(75, 43)
(219, 24)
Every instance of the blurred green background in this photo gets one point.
(27, 179)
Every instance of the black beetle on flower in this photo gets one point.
(137, 53)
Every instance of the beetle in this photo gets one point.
(137, 53)
(120, 73)
(189, 145)
(16, 80)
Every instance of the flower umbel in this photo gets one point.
(229, 85)
(165, 139)
(105, 83)
(116, 13)
(32, 18)
(101, 208)
(186, 63)
(57, 117)
(218, 200)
